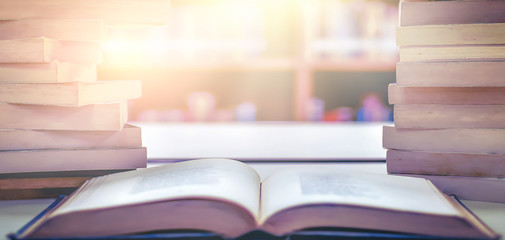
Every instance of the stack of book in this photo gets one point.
(59, 126)
(449, 99)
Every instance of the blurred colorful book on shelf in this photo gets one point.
(203, 107)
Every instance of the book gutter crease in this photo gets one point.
(449, 97)
(59, 124)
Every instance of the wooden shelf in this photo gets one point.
(353, 66)
(280, 64)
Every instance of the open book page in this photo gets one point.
(292, 188)
(207, 178)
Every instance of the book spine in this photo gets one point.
(109, 116)
(452, 53)
(73, 159)
(413, 13)
(111, 11)
(449, 164)
(88, 30)
(449, 116)
(455, 140)
(446, 95)
(451, 34)
(451, 74)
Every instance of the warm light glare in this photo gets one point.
(120, 45)
(227, 30)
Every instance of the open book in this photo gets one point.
(223, 196)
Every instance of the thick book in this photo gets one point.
(451, 34)
(451, 12)
(71, 94)
(449, 116)
(223, 197)
(111, 11)
(485, 189)
(95, 117)
(446, 163)
(61, 174)
(46, 184)
(38, 193)
(52, 72)
(456, 140)
(452, 53)
(44, 50)
(451, 74)
(41, 183)
(25, 139)
(49, 160)
(445, 95)
(85, 30)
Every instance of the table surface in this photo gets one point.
(292, 144)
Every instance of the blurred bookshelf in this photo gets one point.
(275, 60)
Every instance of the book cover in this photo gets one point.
(111, 11)
(445, 95)
(451, 34)
(455, 140)
(446, 163)
(452, 53)
(36, 185)
(26, 139)
(45, 50)
(451, 74)
(52, 72)
(72, 94)
(19, 161)
(451, 12)
(426, 116)
(104, 116)
(84, 30)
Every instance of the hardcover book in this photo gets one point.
(72, 94)
(18, 161)
(449, 116)
(455, 140)
(452, 53)
(111, 11)
(227, 198)
(451, 12)
(24, 139)
(451, 34)
(28, 185)
(52, 72)
(45, 50)
(451, 74)
(446, 163)
(445, 95)
(95, 117)
(88, 30)
(484, 189)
